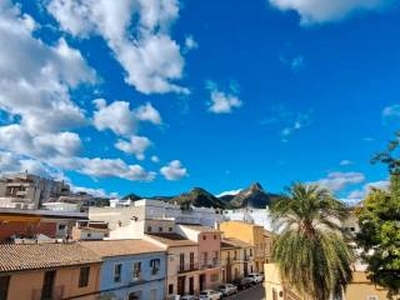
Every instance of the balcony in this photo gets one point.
(210, 264)
(188, 267)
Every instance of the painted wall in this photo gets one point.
(28, 284)
(127, 284)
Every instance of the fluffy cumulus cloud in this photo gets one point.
(137, 32)
(337, 181)
(320, 11)
(119, 118)
(345, 162)
(174, 170)
(296, 63)
(222, 102)
(137, 145)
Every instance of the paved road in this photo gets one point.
(254, 293)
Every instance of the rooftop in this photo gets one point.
(236, 242)
(19, 257)
(172, 239)
(110, 248)
(200, 228)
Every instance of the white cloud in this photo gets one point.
(119, 118)
(190, 43)
(391, 114)
(174, 171)
(155, 159)
(321, 11)
(359, 194)
(222, 102)
(345, 162)
(287, 121)
(137, 34)
(101, 193)
(148, 113)
(232, 192)
(336, 181)
(37, 91)
(137, 145)
(101, 167)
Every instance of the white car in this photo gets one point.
(188, 297)
(255, 277)
(228, 289)
(210, 295)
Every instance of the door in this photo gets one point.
(245, 269)
(181, 285)
(191, 285)
(202, 281)
(48, 285)
(228, 273)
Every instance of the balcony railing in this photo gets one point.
(210, 264)
(182, 268)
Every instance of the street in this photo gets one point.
(254, 293)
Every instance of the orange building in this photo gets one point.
(48, 271)
(251, 234)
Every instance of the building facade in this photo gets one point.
(251, 234)
(48, 271)
(131, 270)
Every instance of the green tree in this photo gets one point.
(310, 250)
(379, 221)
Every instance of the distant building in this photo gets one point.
(237, 259)
(85, 230)
(17, 223)
(132, 269)
(146, 209)
(28, 191)
(48, 271)
(249, 233)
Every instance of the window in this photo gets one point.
(182, 262)
(191, 258)
(373, 297)
(61, 226)
(4, 284)
(137, 270)
(155, 266)
(89, 235)
(205, 258)
(204, 237)
(235, 255)
(170, 229)
(148, 228)
(215, 236)
(171, 289)
(84, 276)
(117, 273)
(135, 295)
(48, 285)
(251, 252)
(160, 229)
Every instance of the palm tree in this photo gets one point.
(310, 250)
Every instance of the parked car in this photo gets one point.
(210, 295)
(188, 297)
(255, 277)
(243, 283)
(228, 289)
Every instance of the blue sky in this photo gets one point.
(156, 97)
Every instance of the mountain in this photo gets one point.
(132, 196)
(254, 197)
(198, 197)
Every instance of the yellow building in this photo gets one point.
(249, 233)
(359, 288)
(268, 239)
(237, 259)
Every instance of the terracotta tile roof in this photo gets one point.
(201, 228)
(18, 257)
(237, 242)
(110, 248)
(172, 239)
